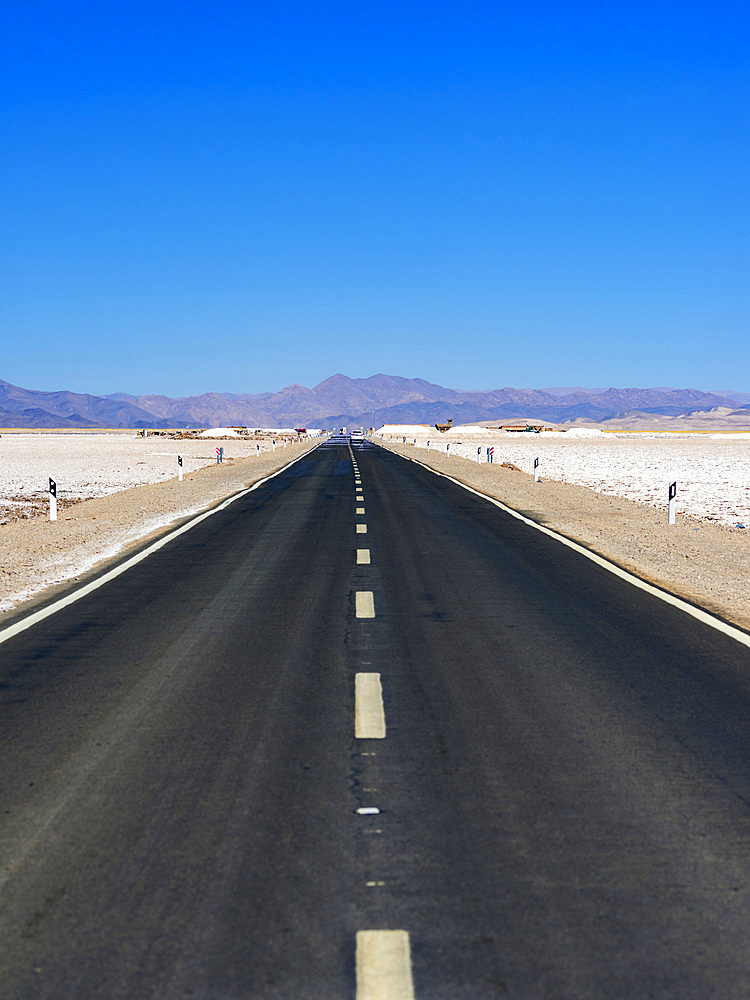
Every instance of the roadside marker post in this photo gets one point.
(536, 470)
(672, 496)
(428, 445)
(179, 468)
(219, 455)
(52, 500)
(479, 455)
(491, 455)
(257, 450)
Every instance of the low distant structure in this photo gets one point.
(521, 428)
(444, 427)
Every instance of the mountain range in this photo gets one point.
(340, 400)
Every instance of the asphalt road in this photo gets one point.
(563, 789)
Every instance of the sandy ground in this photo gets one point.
(707, 564)
(39, 555)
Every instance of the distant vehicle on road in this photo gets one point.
(358, 435)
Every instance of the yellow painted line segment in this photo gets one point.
(363, 557)
(360, 510)
(365, 604)
(384, 966)
(361, 529)
(369, 714)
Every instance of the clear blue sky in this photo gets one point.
(235, 196)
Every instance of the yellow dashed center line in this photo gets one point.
(384, 966)
(369, 714)
(365, 604)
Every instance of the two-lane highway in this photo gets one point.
(363, 734)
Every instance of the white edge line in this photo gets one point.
(88, 588)
(702, 616)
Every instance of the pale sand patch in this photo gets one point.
(706, 564)
(38, 556)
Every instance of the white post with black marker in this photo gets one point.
(179, 468)
(52, 500)
(536, 470)
(672, 496)
(479, 455)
